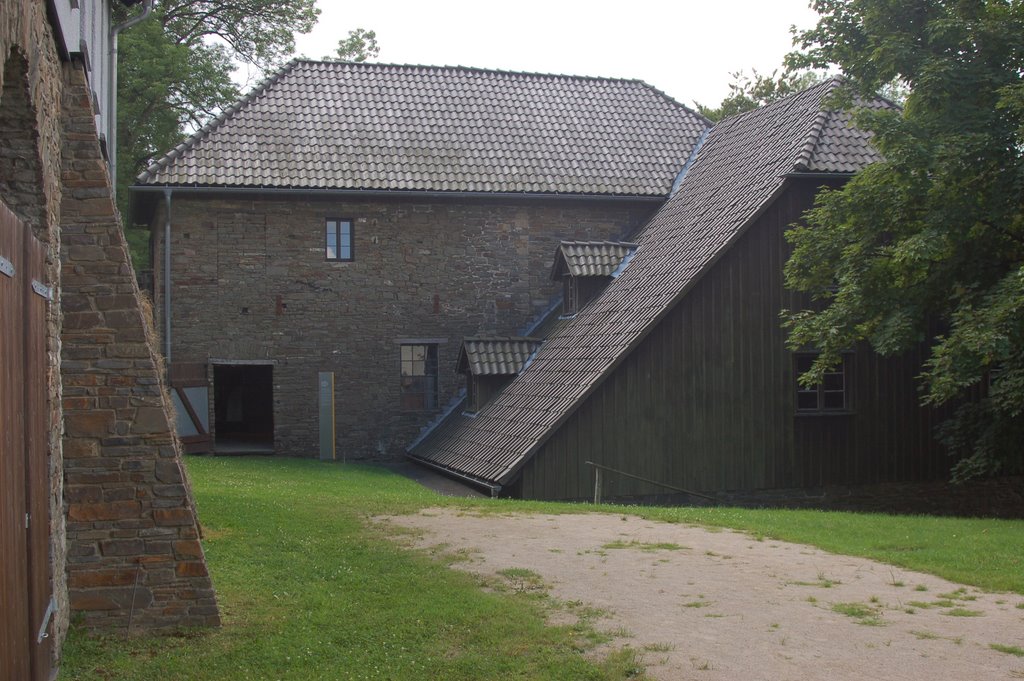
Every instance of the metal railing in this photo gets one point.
(597, 482)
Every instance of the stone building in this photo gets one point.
(361, 219)
(96, 513)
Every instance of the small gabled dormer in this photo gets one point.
(585, 268)
(490, 364)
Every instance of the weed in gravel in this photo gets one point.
(659, 647)
(963, 612)
(644, 546)
(1009, 650)
(925, 635)
(523, 580)
(862, 612)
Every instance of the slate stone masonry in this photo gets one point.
(250, 282)
(134, 557)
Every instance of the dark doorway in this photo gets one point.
(243, 397)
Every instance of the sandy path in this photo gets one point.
(726, 606)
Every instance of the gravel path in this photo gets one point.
(722, 605)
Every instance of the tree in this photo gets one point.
(175, 68)
(746, 93)
(360, 46)
(927, 247)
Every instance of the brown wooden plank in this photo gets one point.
(36, 458)
(15, 647)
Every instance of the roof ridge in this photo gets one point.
(504, 72)
(810, 144)
(211, 125)
(597, 242)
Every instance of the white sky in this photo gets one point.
(685, 48)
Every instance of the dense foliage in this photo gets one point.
(359, 46)
(928, 246)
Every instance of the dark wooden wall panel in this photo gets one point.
(706, 401)
(25, 586)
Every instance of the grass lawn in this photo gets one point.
(308, 591)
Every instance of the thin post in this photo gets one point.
(597, 485)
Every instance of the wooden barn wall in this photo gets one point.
(706, 401)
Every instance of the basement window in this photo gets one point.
(831, 395)
(338, 240)
(419, 377)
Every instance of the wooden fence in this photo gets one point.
(25, 585)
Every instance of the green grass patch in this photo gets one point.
(986, 553)
(309, 589)
(1009, 650)
(643, 546)
(963, 612)
(865, 614)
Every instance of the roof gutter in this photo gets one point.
(494, 489)
(292, 191)
(147, 9)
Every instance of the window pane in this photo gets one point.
(807, 399)
(418, 377)
(345, 240)
(835, 400)
(331, 240)
(833, 381)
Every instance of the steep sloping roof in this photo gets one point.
(504, 356)
(739, 170)
(333, 125)
(589, 258)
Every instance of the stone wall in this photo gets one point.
(134, 556)
(250, 282)
(30, 184)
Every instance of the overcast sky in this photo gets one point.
(684, 48)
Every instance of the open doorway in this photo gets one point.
(243, 408)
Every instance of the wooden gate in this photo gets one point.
(26, 600)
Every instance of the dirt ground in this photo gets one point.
(722, 605)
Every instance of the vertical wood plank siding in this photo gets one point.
(24, 466)
(706, 401)
(14, 605)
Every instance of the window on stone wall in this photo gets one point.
(338, 240)
(832, 394)
(419, 377)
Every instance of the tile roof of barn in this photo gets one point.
(589, 258)
(336, 125)
(738, 171)
(502, 356)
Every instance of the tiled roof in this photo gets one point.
(836, 146)
(589, 258)
(335, 125)
(495, 356)
(739, 169)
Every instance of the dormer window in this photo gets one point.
(490, 364)
(585, 268)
